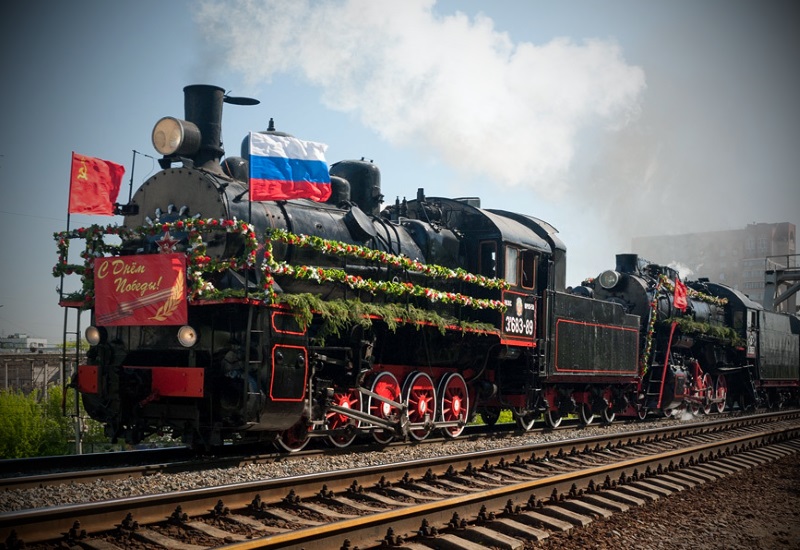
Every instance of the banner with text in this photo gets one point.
(141, 290)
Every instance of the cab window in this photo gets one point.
(512, 256)
(527, 268)
(488, 259)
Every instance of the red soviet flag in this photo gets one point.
(94, 185)
(679, 297)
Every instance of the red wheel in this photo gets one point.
(420, 399)
(708, 393)
(346, 399)
(295, 438)
(721, 393)
(453, 403)
(387, 386)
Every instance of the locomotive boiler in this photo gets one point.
(216, 317)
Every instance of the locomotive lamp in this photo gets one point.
(187, 336)
(95, 335)
(173, 136)
(609, 279)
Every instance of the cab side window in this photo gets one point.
(511, 274)
(528, 269)
(488, 259)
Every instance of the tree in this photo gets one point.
(22, 425)
(34, 425)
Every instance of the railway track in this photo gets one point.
(16, 474)
(493, 497)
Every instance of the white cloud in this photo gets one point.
(453, 86)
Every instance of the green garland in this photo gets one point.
(651, 327)
(339, 315)
(693, 294)
(200, 265)
(392, 288)
(691, 327)
(336, 248)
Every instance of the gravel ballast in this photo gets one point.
(756, 509)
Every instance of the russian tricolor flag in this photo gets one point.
(283, 167)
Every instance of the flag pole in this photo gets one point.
(64, 386)
(133, 169)
(61, 298)
(249, 204)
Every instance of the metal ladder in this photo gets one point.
(253, 363)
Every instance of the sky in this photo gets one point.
(610, 119)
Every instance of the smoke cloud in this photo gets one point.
(451, 85)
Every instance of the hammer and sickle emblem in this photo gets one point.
(83, 172)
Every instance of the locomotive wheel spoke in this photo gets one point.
(721, 392)
(609, 415)
(385, 385)
(420, 399)
(453, 402)
(347, 399)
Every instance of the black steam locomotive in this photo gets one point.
(290, 320)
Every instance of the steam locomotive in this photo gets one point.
(215, 317)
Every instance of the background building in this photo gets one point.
(738, 258)
(22, 343)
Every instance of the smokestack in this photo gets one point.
(203, 107)
(628, 263)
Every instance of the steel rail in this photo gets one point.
(369, 531)
(45, 524)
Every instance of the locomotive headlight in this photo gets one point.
(187, 336)
(173, 136)
(95, 335)
(609, 279)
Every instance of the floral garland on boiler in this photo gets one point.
(691, 293)
(337, 248)
(356, 282)
(651, 327)
(199, 264)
